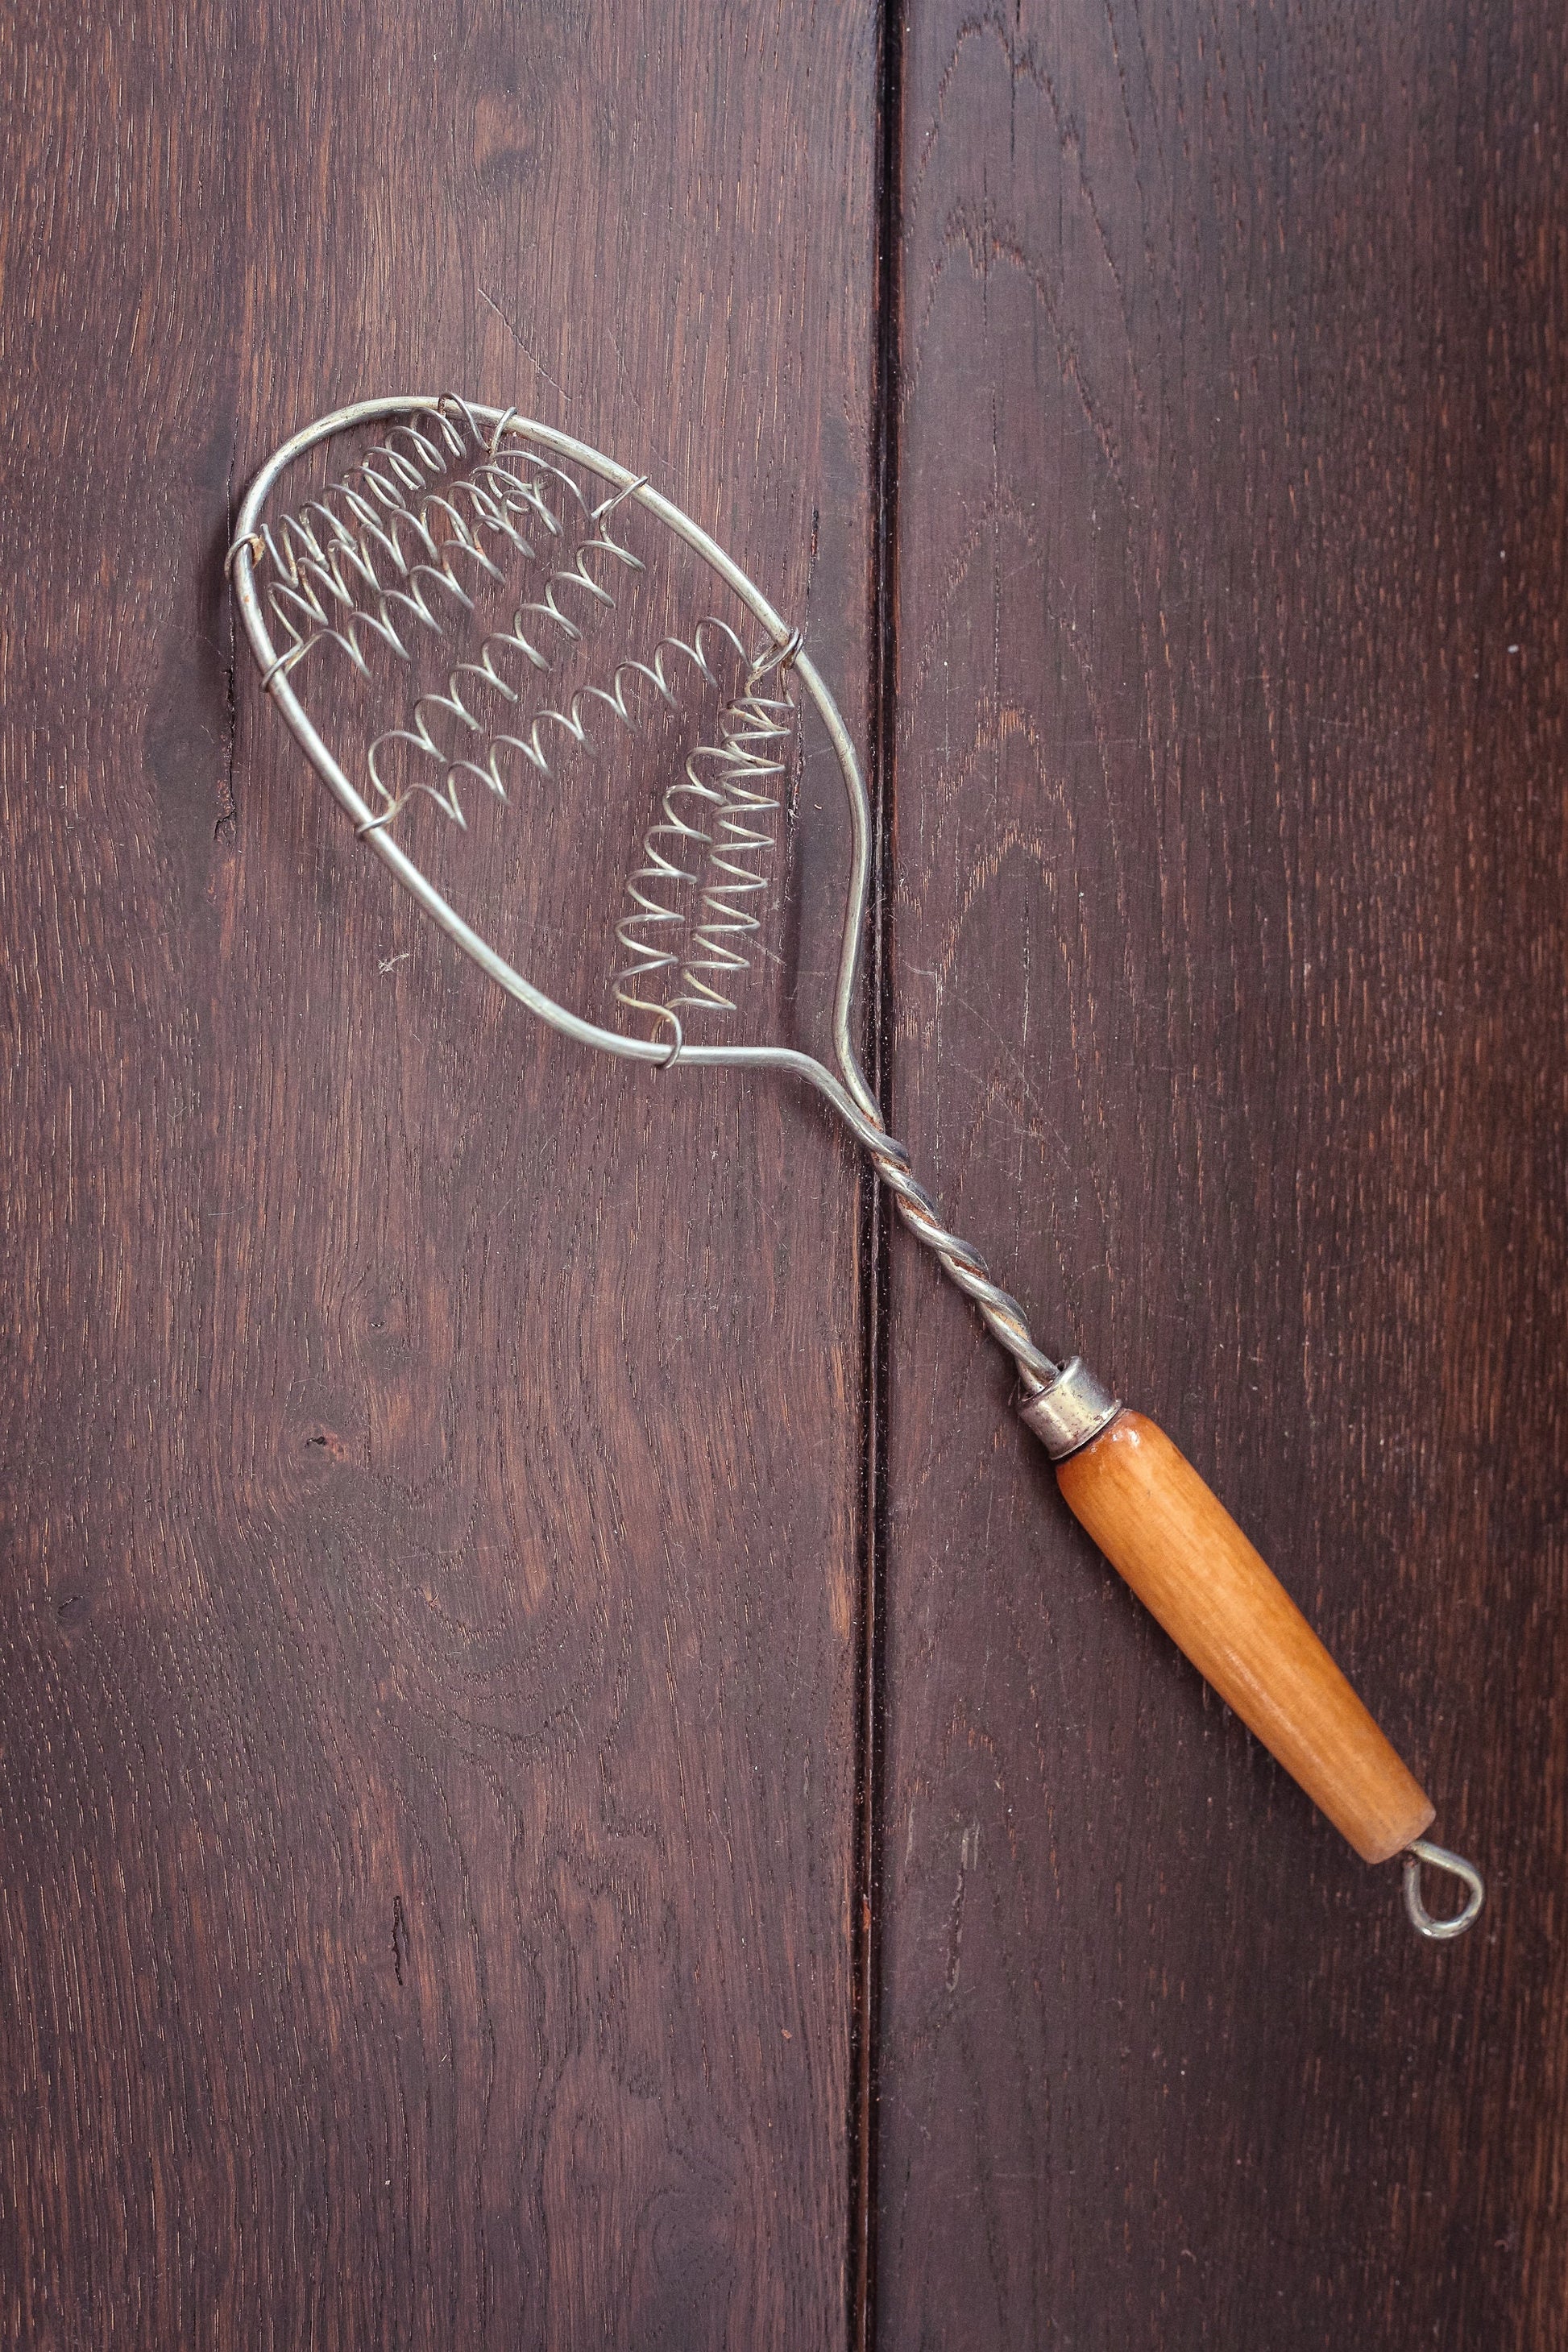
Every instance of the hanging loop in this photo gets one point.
(1438, 1857)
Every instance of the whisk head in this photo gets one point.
(471, 600)
(397, 582)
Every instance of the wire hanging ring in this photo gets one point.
(1421, 1853)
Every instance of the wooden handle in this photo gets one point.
(1189, 1563)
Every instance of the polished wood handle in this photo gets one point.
(1189, 1563)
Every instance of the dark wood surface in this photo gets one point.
(429, 1686)
(433, 1681)
(1229, 879)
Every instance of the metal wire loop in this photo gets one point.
(1422, 1853)
(779, 659)
(676, 1042)
(275, 670)
(618, 497)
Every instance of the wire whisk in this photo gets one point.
(409, 552)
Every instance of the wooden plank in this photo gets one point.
(1230, 871)
(432, 1455)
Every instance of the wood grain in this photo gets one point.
(1197, 1575)
(432, 1458)
(1231, 870)
(433, 1462)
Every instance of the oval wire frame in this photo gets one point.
(852, 1099)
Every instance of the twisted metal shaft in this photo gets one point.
(959, 1260)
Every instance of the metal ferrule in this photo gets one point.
(1070, 1410)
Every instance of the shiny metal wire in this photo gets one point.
(1421, 1853)
(390, 548)
(711, 836)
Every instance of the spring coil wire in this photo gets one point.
(396, 547)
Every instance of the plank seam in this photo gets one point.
(876, 1218)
